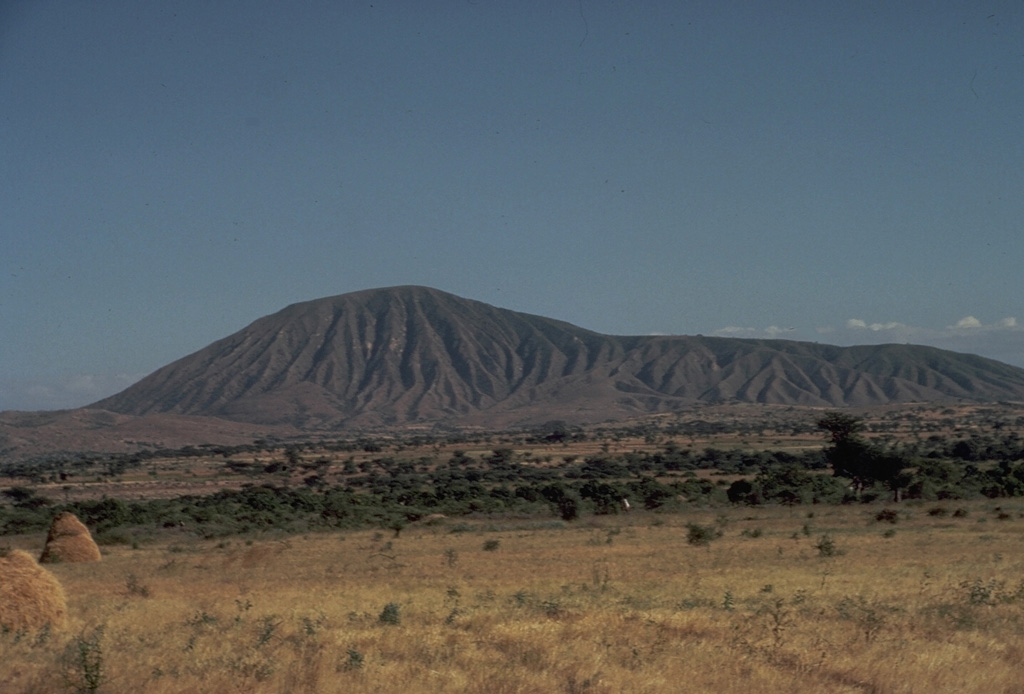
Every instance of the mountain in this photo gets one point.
(407, 355)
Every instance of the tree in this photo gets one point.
(25, 498)
(565, 500)
(841, 427)
(606, 498)
(849, 454)
(859, 461)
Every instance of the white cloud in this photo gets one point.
(858, 324)
(972, 323)
(965, 323)
(734, 331)
(1002, 340)
(771, 332)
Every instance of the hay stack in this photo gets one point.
(30, 596)
(69, 541)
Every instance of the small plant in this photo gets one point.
(43, 636)
(243, 607)
(354, 661)
(452, 599)
(752, 532)
(868, 616)
(779, 618)
(451, 557)
(131, 582)
(311, 627)
(701, 535)
(397, 525)
(826, 547)
(551, 607)
(201, 618)
(577, 686)
(600, 575)
(960, 513)
(491, 545)
(390, 614)
(83, 662)
(268, 625)
(887, 515)
(728, 602)
(979, 593)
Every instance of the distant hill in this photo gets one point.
(414, 355)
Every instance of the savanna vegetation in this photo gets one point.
(662, 465)
(927, 598)
(800, 551)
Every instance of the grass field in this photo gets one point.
(822, 599)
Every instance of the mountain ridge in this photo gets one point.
(408, 354)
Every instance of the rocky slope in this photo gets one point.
(416, 355)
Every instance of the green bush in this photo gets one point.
(826, 547)
(390, 614)
(701, 535)
(887, 515)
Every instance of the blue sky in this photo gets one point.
(842, 172)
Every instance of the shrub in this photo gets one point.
(887, 515)
(701, 535)
(134, 587)
(568, 508)
(826, 547)
(354, 661)
(83, 663)
(390, 614)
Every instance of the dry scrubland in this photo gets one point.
(835, 601)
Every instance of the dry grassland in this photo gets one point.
(619, 604)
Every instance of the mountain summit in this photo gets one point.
(406, 355)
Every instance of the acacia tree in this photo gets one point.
(859, 461)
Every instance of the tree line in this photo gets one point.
(390, 491)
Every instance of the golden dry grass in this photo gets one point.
(69, 541)
(31, 598)
(619, 604)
